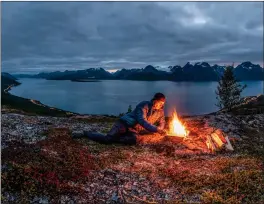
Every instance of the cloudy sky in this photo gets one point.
(48, 36)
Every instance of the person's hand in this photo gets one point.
(162, 131)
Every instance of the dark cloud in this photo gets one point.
(77, 35)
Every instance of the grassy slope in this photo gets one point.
(25, 105)
(221, 178)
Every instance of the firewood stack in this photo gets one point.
(217, 141)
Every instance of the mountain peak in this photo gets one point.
(202, 64)
(205, 64)
(246, 63)
(189, 63)
(150, 68)
(248, 66)
(188, 66)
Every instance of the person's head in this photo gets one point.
(158, 101)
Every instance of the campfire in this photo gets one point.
(214, 140)
(176, 128)
(193, 134)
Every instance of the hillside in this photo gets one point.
(42, 163)
(7, 81)
(7, 75)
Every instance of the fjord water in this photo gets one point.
(114, 96)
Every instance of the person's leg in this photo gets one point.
(97, 137)
(112, 136)
(129, 138)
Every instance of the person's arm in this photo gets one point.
(141, 118)
(162, 121)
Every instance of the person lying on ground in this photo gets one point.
(148, 116)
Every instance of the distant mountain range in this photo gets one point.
(200, 71)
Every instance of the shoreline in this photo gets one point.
(13, 101)
(9, 88)
(48, 108)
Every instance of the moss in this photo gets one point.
(46, 167)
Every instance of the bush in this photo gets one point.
(129, 109)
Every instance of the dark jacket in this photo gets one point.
(145, 116)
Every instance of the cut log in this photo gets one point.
(210, 144)
(228, 146)
(221, 135)
(215, 138)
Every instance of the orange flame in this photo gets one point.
(177, 128)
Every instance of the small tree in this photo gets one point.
(228, 90)
(129, 109)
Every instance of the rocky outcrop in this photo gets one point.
(250, 105)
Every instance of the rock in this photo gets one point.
(243, 122)
(114, 197)
(13, 133)
(251, 122)
(41, 200)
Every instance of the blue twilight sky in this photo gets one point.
(50, 36)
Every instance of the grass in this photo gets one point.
(253, 143)
(222, 178)
(47, 167)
